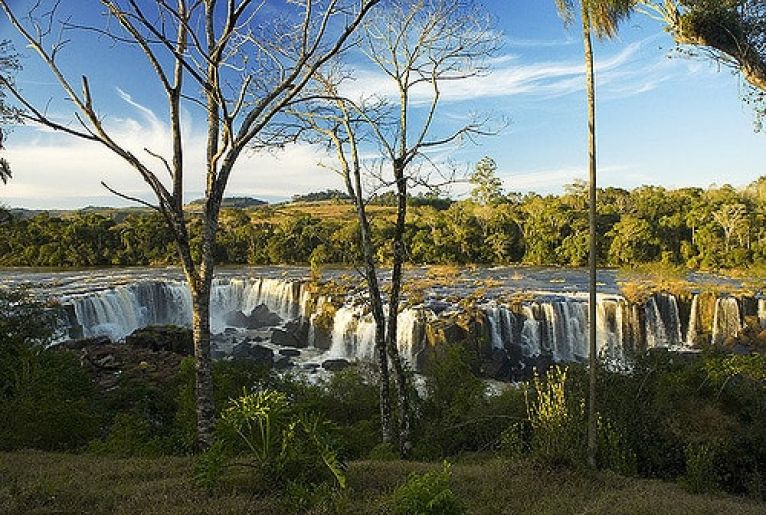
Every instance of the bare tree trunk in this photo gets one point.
(376, 305)
(592, 254)
(204, 369)
(405, 445)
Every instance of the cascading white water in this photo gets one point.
(663, 322)
(727, 321)
(762, 312)
(693, 330)
(559, 326)
(609, 325)
(353, 334)
(119, 311)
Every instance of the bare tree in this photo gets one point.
(733, 219)
(234, 60)
(418, 47)
(9, 67)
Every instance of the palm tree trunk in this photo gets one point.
(592, 257)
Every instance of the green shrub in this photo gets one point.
(46, 400)
(700, 474)
(514, 441)
(557, 420)
(281, 445)
(428, 493)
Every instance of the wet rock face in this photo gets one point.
(258, 318)
(498, 366)
(163, 338)
(257, 353)
(284, 338)
(81, 343)
(335, 365)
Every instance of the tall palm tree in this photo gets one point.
(599, 17)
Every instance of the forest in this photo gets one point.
(715, 228)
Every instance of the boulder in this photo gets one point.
(257, 353)
(286, 339)
(498, 366)
(283, 363)
(163, 338)
(335, 365)
(81, 343)
(291, 353)
(258, 318)
(299, 328)
(310, 366)
(262, 316)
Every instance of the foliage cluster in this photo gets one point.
(425, 494)
(700, 421)
(690, 227)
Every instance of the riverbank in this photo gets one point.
(38, 482)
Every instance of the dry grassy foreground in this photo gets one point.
(35, 482)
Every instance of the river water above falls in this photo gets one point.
(518, 313)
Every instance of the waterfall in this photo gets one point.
(663, 322)
(609, 329)
(117, 312)
(762, 312)
(495, 316)
(692, 331)
(727, 320)
(353, 334)
(344, 329)
(557, 326)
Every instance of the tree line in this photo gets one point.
(712, 228)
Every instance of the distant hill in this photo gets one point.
(233, 202)
(319, 196)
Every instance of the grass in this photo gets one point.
(36, 482)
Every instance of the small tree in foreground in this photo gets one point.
(418, 48)
(234, 60)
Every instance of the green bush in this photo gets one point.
(425, 494)
(52, 406)
(557, 420)
(46, 400)
(281, 445)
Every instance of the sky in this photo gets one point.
(662, 118)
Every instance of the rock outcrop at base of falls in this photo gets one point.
(171, 338)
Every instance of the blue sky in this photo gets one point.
(669, 121)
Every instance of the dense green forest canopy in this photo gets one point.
(711, 228)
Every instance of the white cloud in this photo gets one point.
(54, 170)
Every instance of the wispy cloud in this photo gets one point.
(623, 73)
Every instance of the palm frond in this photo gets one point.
(566, 10)
(606, 15)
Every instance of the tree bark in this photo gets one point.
(592, 254)
(376, 303)
(204, 369)
(405, 444)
